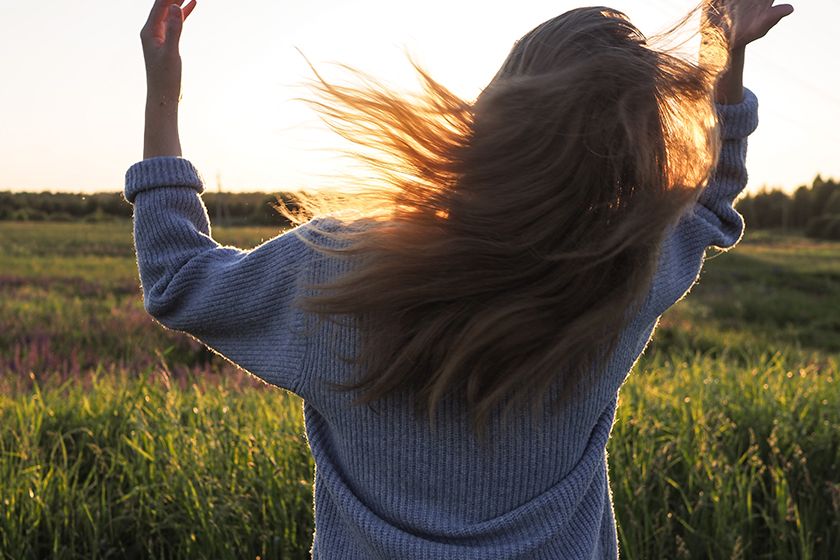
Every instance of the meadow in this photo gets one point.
(119, 439)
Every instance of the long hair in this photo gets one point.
(508, 240)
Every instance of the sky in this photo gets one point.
(73, 84)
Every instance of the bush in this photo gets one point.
(28, 214)
(824, 227)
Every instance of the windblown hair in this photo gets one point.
(508, 241)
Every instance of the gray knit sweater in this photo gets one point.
(387, 486)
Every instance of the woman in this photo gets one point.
(460, 347)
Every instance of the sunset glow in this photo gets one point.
(72, 106)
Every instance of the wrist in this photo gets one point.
(161, 136)
(163, 99)
(729, 89)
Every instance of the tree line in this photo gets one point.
(813, 210)
(225, 209)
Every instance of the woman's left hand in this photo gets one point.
(160, 38)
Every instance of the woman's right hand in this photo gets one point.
(750, 19)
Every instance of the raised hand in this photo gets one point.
(749, 20)
(160, 38)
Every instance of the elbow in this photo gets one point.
(171, 290)
(730, 232)
(165, 306)
(161, 311)
(725, 223)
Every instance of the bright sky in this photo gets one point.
(73, 84)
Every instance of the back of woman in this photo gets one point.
(408, 488)
(459, 342)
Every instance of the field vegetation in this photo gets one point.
(119, 439)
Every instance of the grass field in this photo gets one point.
(119, 439)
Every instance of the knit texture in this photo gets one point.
(388, 485)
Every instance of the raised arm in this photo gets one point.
(743, 22)
(240, 303)
(713, 221)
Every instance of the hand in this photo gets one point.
(749, 20)
(160, 38)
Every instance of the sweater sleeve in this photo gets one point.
(713, 220)
(239, 303)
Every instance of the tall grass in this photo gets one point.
(708, 460)
(122, 467)
(716, 460)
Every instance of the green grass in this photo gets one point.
(711, 460)
(122, 467)
(70, 300)
(774, 290)
(119, 439)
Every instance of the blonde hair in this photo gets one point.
(508, 240)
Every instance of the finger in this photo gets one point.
(158, 13)
(189, 8)
(776, 13)
(174, 25)
(783, 9)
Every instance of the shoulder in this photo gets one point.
(332, 244)
(332, 232)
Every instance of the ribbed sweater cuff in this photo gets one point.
(160, 172)
(739, 120)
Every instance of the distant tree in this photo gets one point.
(804, 210)
(824, 227)
(801, 212)
(832, 205)
(253, 208)
(821, 192)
